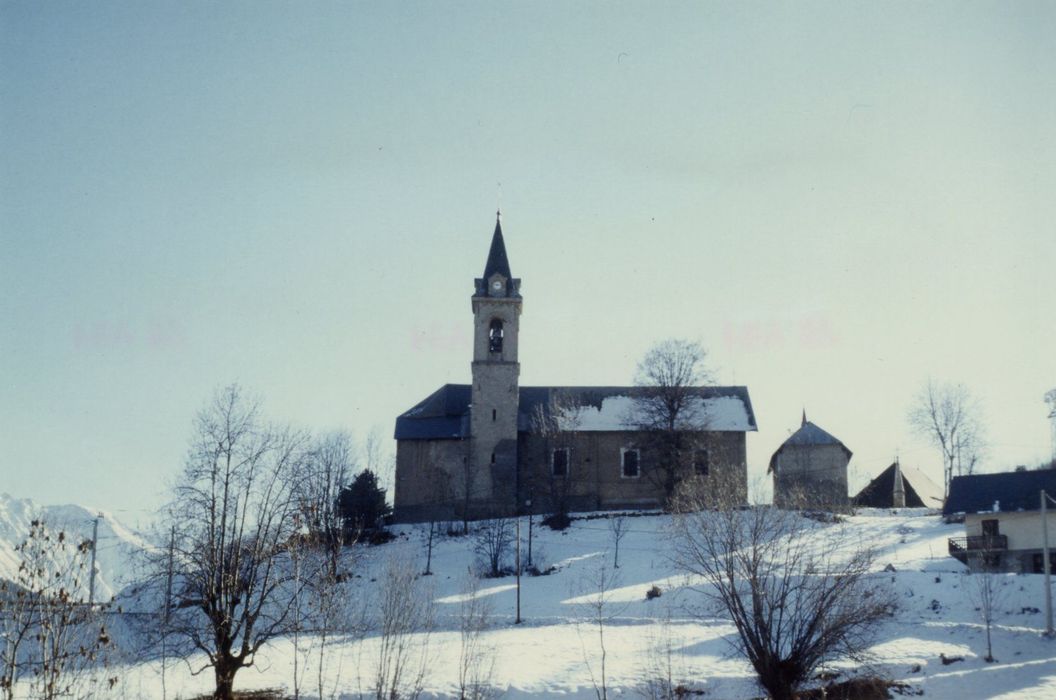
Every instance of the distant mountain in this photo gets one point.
(118, 546)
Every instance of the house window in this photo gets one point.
(1039, 563)
(990, 528)
(630, 463)
(494, 415)
(493, 458)
(700, 462)
(495, 336)
(559, 462)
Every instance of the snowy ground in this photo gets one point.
(547, 655)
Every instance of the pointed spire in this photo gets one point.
(804, 417)
(497, 260)
(898, 492)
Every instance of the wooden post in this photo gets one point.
(518, 620)
(1045, 563)
(91, 571)
(165, 615)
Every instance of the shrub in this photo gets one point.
(653, 592)
(493, 540)
(557, 521)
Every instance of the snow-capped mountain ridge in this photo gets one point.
(117, 550)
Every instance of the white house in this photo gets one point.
(1002, 520)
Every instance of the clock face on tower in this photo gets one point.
(496, 285)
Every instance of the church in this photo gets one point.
(494, 448)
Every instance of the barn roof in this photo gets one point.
(1011, 491)
(921, 492)
(444, 414)
(807, 435)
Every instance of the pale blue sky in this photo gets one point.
(839, 200)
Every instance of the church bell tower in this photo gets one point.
(495, 395)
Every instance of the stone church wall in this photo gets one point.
(595, 479)
(431, 477)
(431, 474)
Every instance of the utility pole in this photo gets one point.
(1050, 398)
(518, 620)
(1045, 563)
(165, 615)
(91, 571)
(168, 581)
(529, 504)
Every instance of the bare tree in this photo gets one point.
(52, 639)
(405, 616)
(664, 670)
(986, 589)
(232, 515)
(324, 607)
(618, 529)
(948, 416)
(669, 413)
(317, 551)
(476, 661)
(326, 469)
(597, 608)
(492, 542)
(463, 485)
(557, 422)
(798, 592)
(437, 500)
(374, 452)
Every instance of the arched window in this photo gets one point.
(495, 336)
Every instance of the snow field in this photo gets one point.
(554, 652)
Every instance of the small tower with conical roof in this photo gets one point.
(495, 394)
(810, 470)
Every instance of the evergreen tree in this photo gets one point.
(362, 505)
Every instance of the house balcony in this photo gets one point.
(960, 547)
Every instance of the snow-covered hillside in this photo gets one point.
(548, 654)
(117, 545)
(555, 651)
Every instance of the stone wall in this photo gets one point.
(595, 477)
(811, 477)
(429, 479)
(430, 475)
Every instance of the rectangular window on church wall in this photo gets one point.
(700, 462)
(559, 462)
(629, 462)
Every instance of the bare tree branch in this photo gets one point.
(670, 415)
(233, 514)
(797, 592)
(948, 417)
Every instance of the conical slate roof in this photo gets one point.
(497, 260)
(808, 434)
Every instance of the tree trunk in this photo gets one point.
(778, 678)
(225, 680)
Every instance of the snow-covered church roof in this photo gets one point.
(444, 414)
